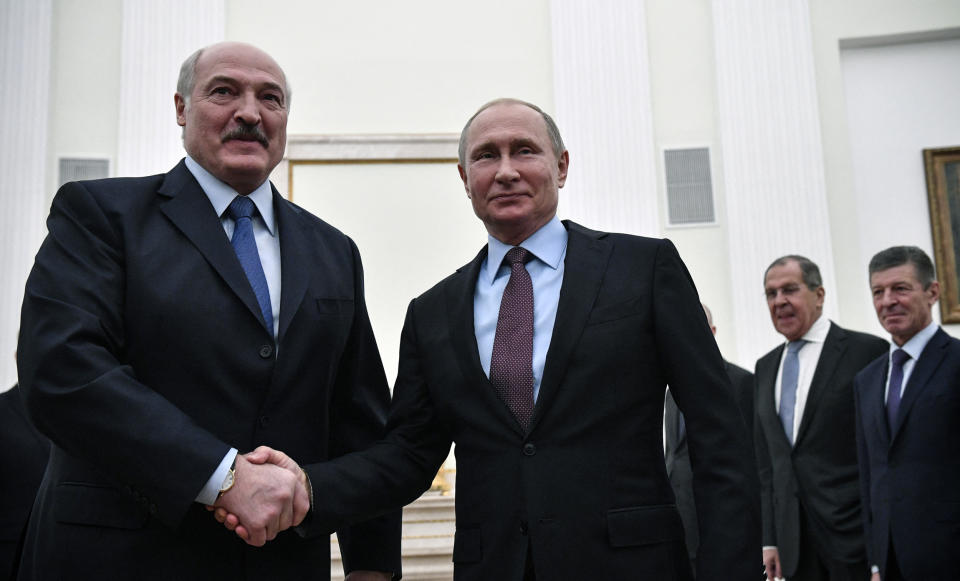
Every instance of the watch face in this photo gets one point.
(227, 482)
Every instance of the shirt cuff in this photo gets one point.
(208, 494)
(874, 569)
(770, 547)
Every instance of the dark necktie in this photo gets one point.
(242, 210)
(511, 367)
(897, 360)
(788, 386)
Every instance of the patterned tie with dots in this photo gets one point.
(511, 367)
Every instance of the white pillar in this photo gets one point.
(602, 93)
(25, 44)
(157, 37)
(772, 154)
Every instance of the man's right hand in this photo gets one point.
(771, 560)
(266, 498)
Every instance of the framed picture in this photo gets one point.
(943, 191)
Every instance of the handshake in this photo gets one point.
(271, 494)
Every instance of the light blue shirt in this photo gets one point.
(268, 246)
(914, 347)
(549, 246)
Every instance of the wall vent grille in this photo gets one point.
(689, 186)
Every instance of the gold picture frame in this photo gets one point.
(942, 167)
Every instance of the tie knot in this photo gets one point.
(900, 357)
(241, 207)
(518, 254)
(794, 346)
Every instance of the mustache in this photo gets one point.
(246, 133)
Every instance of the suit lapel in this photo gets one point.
(767, 370)
(830, 356)
(295, 264)
(584, 267)
(191, 212)
(926, 365)
(459, 293)
(875, 407)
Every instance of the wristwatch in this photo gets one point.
(229, 479)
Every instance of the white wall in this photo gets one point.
(901, 99)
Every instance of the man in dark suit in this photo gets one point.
(804, 434)
(23, 458)
(548, 373)
(173, 320)
(677, 453)
(908, 436)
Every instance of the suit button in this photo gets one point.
(266, 351)
(153, 509)
(264, 421)
(529, 449)
(523, 528)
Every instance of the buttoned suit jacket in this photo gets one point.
(819, 472)
(909, 474)
(144, 357)
(584, 490)
(677, 452)
(23, 458)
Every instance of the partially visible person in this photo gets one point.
(23, 458)
(545, 360)
(804, 432)
(172, 321)
(677, 454)
(908, 427)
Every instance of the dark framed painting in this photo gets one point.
(943, 191)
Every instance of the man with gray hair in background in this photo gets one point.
(908, 427)
(804, 435)
(174, 320)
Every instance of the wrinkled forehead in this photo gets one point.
(512, 120)
(239, 62)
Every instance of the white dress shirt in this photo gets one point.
(807, 357)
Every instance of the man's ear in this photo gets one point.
(463, 176)
(181, 105)
(562, 164)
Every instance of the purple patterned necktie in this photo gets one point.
(898, 358)
(511, 367)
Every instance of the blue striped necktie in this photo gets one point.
(788, 386)
(242, 209)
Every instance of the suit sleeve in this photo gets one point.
(765, 472)
(79, 391)
(396, 470)
(863, 459)
(725, 481)
(359, 411)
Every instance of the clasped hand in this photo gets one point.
(270, 496)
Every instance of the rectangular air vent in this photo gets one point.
(73, 169)
(689, 188)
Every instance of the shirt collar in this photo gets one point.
(817, 333)
(548, 244)
(914, 346)
(220, 194)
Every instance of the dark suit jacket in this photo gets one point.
(144, 357)
(677, 453)
(23, 457)
(909, 475)
(585, 489)
(820, 472)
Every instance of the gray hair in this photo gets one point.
(900, 255)
(809, 270)
(188, 79)
(552, 130)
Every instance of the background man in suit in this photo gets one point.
(549, 375)
(152, 351)
(677, 454)
(23, 457)
(806, 448)
(908, 437)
